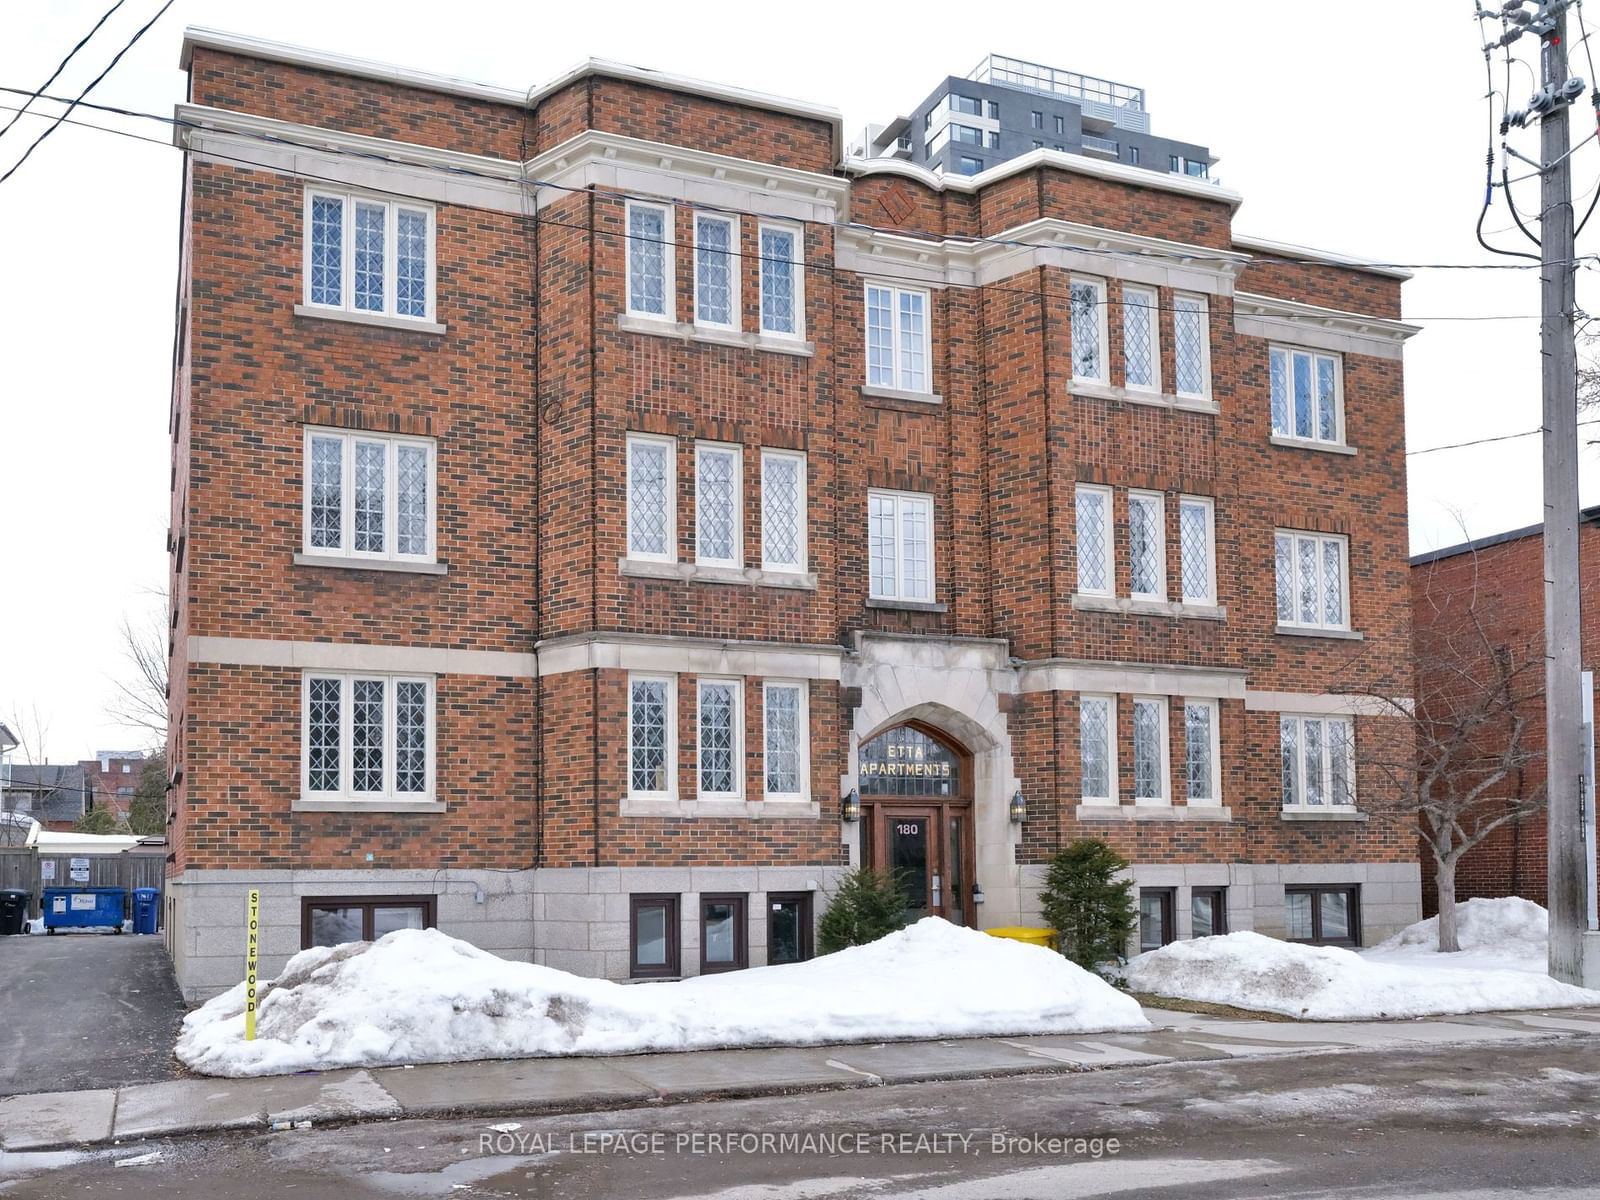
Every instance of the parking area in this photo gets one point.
(86, 1009)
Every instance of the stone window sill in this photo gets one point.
(689, 572)
(381, 320)
(1322, 814)
(1088, 389)
(749, 809)
(1294, 443)
(1154, 812)
(1348, 635)
(318, 804)
(1151, 608)
(685, 331)
(903, 400)
(351, 563)
(907, 605)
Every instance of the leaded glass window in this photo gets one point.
(411, 500)
(323, 728)
(411, 262)
(1191, 345)
(784, 716)
(369, 497)
(1088, 330)
(1146, 545)
(780, 280)
(1141, 353)
(1318, 764)
(650, 499)
(648, 234)
(366, 735)
(1306, 395)
(716, 505)
(1311, 573)
(715, 281)
(648, 717)
(327, 250)
(783, 511)
(369, 255)
(327, 493)
(1196, 535)
(1200, 765)
(1094, 541)
(1096, 725)
(1149, 749)
(411, 736)
(719, 737)
(368, 260)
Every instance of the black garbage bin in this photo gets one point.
(13, 910)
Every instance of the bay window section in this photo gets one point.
(900, 546)
(368, 497)
(370, 256)
(898, 338)
(367, 737)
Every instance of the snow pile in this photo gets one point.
(1325, 983)
(1509, 933)
(422, 996)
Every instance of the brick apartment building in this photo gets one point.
(604, 513)
(113, 777)
(1503, 576)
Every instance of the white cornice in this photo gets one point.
(1290, 250)
(1077, 164)
(1294, 314)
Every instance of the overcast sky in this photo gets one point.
(1358, 128)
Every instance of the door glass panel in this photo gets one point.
(1297, 912)
(1152, 922)
(719, 931)
(786, 941)
(955, 901)
(650, 935)
(908, 861)
(1335, 915)
(1203, 911)
(331, 926)
(388, 918)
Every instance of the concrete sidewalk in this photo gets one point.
(59, 1120)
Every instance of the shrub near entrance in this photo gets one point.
(1090, 908)
(866, 906)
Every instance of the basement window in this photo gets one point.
(333, 920)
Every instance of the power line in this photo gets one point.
(56, 124)
(60, 67)
(1484, 441)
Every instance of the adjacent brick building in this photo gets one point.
(604, 513)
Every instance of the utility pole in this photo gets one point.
(1565, 760)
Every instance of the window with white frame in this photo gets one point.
(1311, 571)
(1147, 545)
(898, 338)
(782, 281)
(651, 736)
(1201, 748)
(783, 510)
(1191, 346)
(720, 724)
(1318, 761)
(900, 537)
(1141, 343)
(368, 496)
(652, 498)
(1088, 304)
(1307, 395)
(367, 736)
(649, 259)
(367, 255)
(1096, 573)
(716, 274)
(1197, 549)
(716, 505)
(1097, 727)
(783, 706)
(1149, 750)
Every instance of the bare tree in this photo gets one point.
(140, 700)
(1463, 753)
(32, 732)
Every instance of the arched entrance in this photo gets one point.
(916, 789)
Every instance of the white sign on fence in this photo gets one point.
(78, 870)
(47, 870)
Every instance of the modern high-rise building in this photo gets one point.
(1007, 107)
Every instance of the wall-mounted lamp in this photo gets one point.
(977, 893)
(850, 810)
(1019, 808)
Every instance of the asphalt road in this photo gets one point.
(85, 1010)
(1460, 1124)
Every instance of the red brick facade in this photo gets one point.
(534, 382)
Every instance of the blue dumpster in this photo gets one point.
(84, 908)
(146, 909)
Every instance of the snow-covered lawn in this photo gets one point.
(1501, 966)
(422, 996)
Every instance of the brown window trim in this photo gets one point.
(1219, 911)
(672, 968)
(741, 931)
(428, 904)
(1169, 910)
(1316, 891)
(807, 921)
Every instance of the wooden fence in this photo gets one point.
(33, 872)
